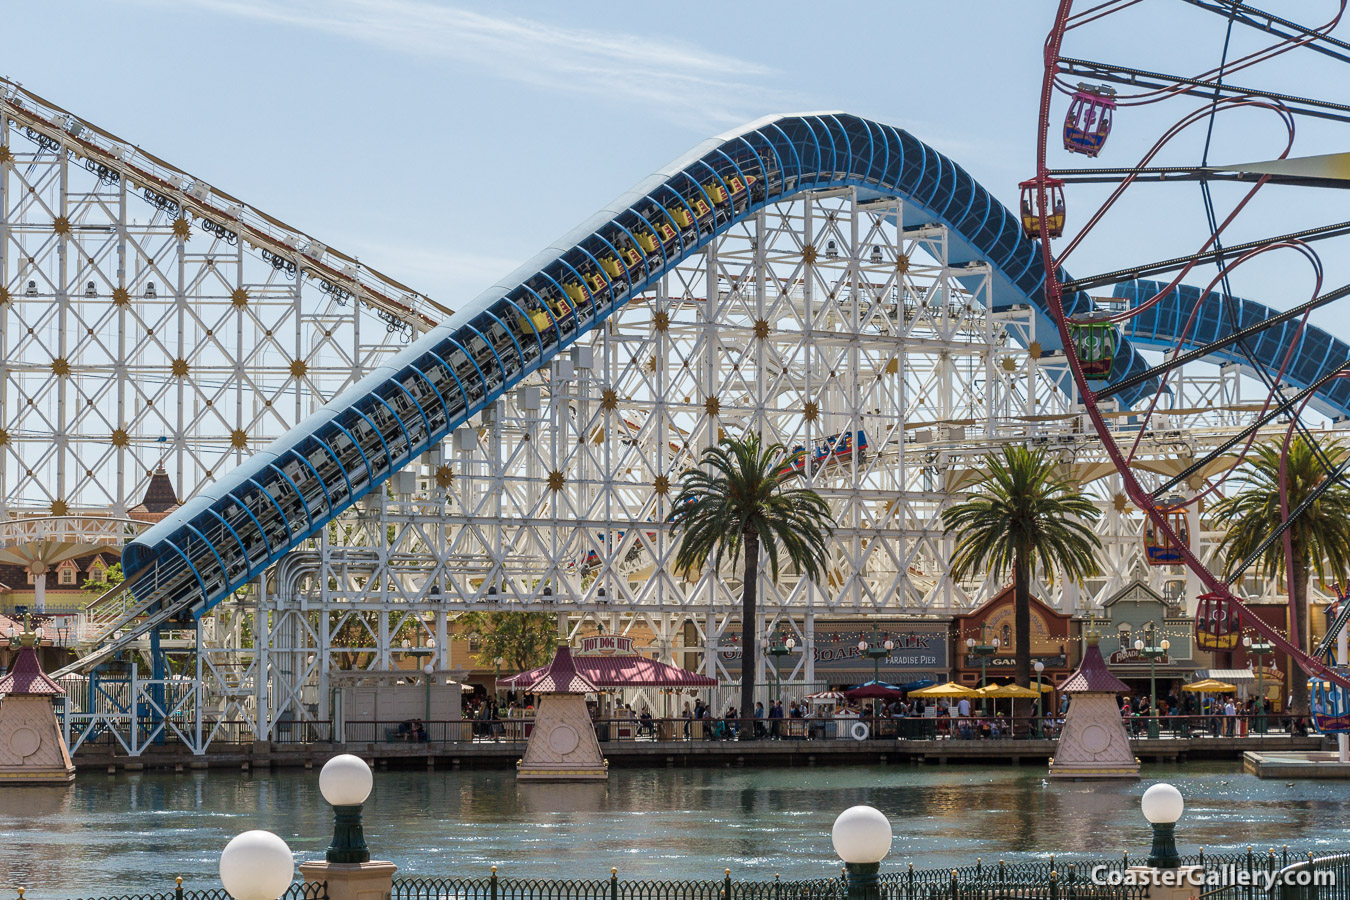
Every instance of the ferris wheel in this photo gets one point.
(1194, 153)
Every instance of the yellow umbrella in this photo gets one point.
(1019, 692)
(1209, 686)
(1011, 691)
(950, 689)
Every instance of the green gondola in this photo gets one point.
(1094, 342)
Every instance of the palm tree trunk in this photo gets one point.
(1299, 628)
(749, 634)
(1022, 619)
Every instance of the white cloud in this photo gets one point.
(675, 80)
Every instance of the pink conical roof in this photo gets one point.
(1092, 675)
(559, 676)
(27, 677)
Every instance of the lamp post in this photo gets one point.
(985, 651)
(496, 679)
(420, 653)
(1040, 700)
(862, 837)
(1162, 806)
(876, 651)
(778, 651)
(1152, 653)
(1259, 649)
(345, 782)
(256, 865)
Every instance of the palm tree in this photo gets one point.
(738, 502)
(1024, 513)
(1319, 537)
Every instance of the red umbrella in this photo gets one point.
(873, 690)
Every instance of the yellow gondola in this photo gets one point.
(645, 241)
(611, 266)
(716, 192)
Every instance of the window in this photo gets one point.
(67, 575)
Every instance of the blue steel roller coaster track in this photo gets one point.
(233, 530)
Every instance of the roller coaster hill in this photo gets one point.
(280, 501)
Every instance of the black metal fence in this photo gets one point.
(300, 890)
(1046, 879)
(1250, 875)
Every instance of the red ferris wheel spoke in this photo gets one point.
(1180, 84)
(1156, 174)
(1107, 279)
(1334, 476)
(1190, 356)
(1278, 410)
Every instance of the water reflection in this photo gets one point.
(111, 836)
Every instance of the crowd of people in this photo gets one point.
(1223, 715)
(492, 718)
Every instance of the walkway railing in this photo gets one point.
(300, 890)
(1281, 875)
(174, 724)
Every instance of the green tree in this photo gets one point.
(739, 502)
(522, 640)
(1319, 537)
(93, 588)
(1023, 514)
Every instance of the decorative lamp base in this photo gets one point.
(1164, 853)
(862, 881)
(349, 841)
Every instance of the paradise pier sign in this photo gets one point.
(920, 649)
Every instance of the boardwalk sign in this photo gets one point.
(920, 649)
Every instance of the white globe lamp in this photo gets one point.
(1162, 805)
(256, 865)
(862, 837)
(345, 782)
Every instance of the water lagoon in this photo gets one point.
(106, 836)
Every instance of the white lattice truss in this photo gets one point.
(817, 318)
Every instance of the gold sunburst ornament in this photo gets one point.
(182, 228)
(661, 485)
(556, 480)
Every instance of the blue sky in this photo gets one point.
(444, 143)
